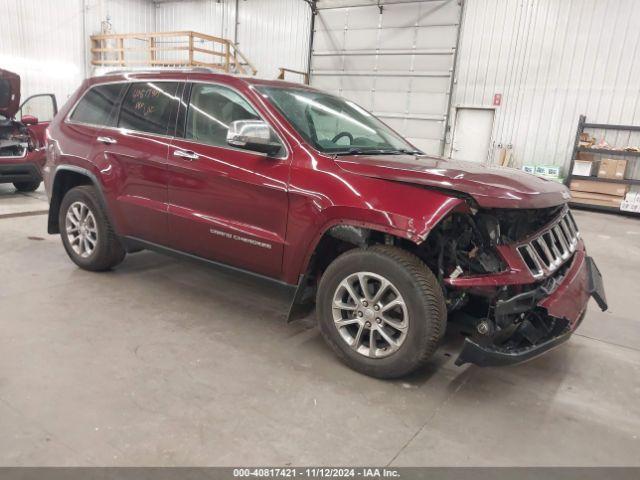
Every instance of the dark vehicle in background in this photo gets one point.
(307, 189)
(22, 140)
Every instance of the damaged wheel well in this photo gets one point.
(333, 243)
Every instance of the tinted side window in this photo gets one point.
(149, 107)
(98, 103)
(211, 110)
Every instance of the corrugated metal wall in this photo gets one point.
(552, 60)
(44, 44)
(271, 33)
(46, 40)
(213, 17)
(47, 43)
(274, 33)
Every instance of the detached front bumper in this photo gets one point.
(564, 303)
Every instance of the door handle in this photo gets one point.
(107, 140)
(188, 154)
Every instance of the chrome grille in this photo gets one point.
(550, 249)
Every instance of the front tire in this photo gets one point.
(27, 186)
(87, 235)
(381, 310)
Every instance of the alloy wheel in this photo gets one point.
(81, 228)
(370, 314)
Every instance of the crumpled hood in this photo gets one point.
(9, 93)
(491, 187)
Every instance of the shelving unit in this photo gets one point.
(631, 157)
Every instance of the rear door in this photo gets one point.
(225, 204)
(96, 110)
(137, 151)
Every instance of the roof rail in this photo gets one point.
(122, 71)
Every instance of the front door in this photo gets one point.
(226, 204)
(472, 134)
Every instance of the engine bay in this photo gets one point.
(15, 139)
(504, 317)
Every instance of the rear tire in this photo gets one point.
(407, 320)
(87, 235)
(27, 186)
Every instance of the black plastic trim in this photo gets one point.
(493, 357)
(19, 172)
(596, 286)
(137, 243)
(55, 202)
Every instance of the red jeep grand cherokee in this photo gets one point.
(22, 150)
(311, 191)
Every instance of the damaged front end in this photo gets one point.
(15, 139)
(516, 282)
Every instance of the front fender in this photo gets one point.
(402, 210)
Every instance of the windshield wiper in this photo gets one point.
(351, 151)
(403, 151)
(395, 151)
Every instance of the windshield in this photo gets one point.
(335, 125)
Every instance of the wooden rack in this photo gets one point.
(168, 49)
(304, 75)
(631, 157)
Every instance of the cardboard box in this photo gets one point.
(596, 199)
(621, 168)
(632, 197)
(584, 168)
(586, 156)
(612, 168)
(541, 170)
(630, 206)
(548, 171)
(605, 188)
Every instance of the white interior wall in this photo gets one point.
(551, 60)
(213, 17)
(274, 34)
(48, 44)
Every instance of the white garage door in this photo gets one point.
(394, 58)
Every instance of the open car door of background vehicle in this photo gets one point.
(36, 112)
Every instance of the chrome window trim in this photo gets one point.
(285, 145)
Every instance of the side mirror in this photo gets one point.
(254, 135)
(29, 120)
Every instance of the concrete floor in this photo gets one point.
(167, 362)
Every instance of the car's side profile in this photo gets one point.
(311, 191)
(22, 142)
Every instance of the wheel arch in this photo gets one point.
(340, 235)
(65, 178)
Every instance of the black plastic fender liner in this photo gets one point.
(596, 286)
(494, 357)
